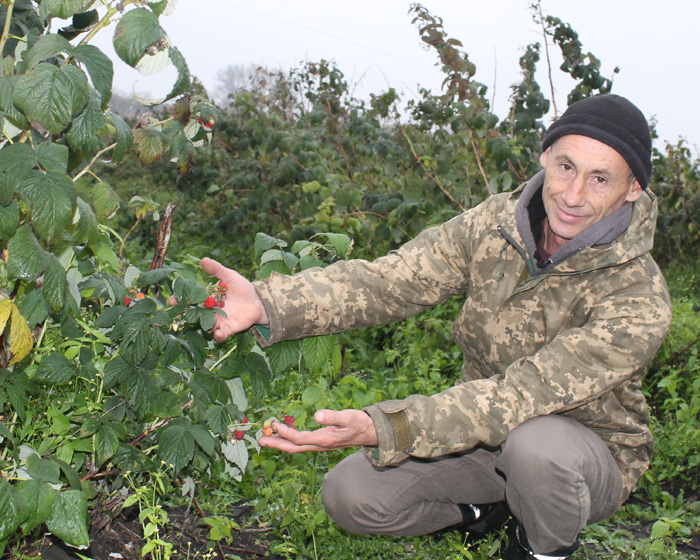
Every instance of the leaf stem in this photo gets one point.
(92, 162)
(6, 28)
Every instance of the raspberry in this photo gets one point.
(267, 431)
(245, 419)
(238, 434)
(127, 300)
(210, 302)
(223, 286)
(221, 303)
(289, 420)
(139, 295)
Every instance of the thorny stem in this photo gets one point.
(478, 160)
(92, 162)
(6, 28)
(435, 179)
(104, 22)
(549, 61)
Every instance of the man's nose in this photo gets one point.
(575, 192)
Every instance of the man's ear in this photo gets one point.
(544, 156)
(635, 191)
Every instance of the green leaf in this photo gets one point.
(264, 242)
(66, 8)
(283, 355)
(16, 161)
(39, 497)
(311, 396)
(106, 201)
(52, 196)
(317, 350)
(9, 219)
(53, 157)
(55, 287)
(56, 368)
(13, 114)
(136, 31)
(51, 96)
(88, 123)
(150, 145)
(341, 242)
(153, 276)
(660, 529)
(82, 22)
(125, 138)
(34, 308)
(183, 82)
(69, 519)
(260, 373)
(107, 441)
(100, 69)
(47, 47)
(86, 230)
(189, 292)
(26, 259)
(176, 445)
(43, 469)
(13, 510)
(236, 452)
(218, 419)
(204, 439)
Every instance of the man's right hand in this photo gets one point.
(243, 306)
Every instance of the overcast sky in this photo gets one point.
(655, 44)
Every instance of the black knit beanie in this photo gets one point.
(613, 120)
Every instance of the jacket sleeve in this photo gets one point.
(351, 294)
(578, 367)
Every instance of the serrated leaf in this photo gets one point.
(86, 230)
(341, 242)
(125, 137)
(153, 276)
(5, 312)
(107, 442)
(12, 113)
(317, 350)
(136, 31)
(47, 47)
(218, 419)
(66, 8)
(26, 259)
(88, 123)
(176, 445)
(204, 439)
(260, 374)
(117, 371)
(13, 510)
(150, 145)
(236, 452)
(69, 519)
(189, 292)
(56, 368)
(16, 161)
(238, 396)
(34, 308)
(39, 497)
(263, 242)
(9, 219)
(162, 7)
(55, 287)
(51, 96)
(283, 355)
(106, 201)
(52, 197)
(21, 335)
(100, 69)
(53, 157)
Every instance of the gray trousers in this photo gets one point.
(556, 475)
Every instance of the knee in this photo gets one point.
(348, 505)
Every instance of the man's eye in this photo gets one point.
(566, 167)
(601, 180)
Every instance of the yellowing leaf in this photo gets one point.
(5, 310)
(21, 336)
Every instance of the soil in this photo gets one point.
(122, 538)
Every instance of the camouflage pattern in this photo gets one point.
(574, 341)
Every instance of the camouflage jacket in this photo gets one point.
(574, 340)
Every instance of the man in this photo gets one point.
(564, 308)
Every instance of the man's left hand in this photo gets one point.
(342, 428)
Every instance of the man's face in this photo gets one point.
(585, 180)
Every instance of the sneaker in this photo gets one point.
(519, 548)
(478, 520)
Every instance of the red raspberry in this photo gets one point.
(223, 286)
(245, 419)
(238, 434)
(127, 300)
(221, 303)
(289, 420)
(210, 302)
(199, 120)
